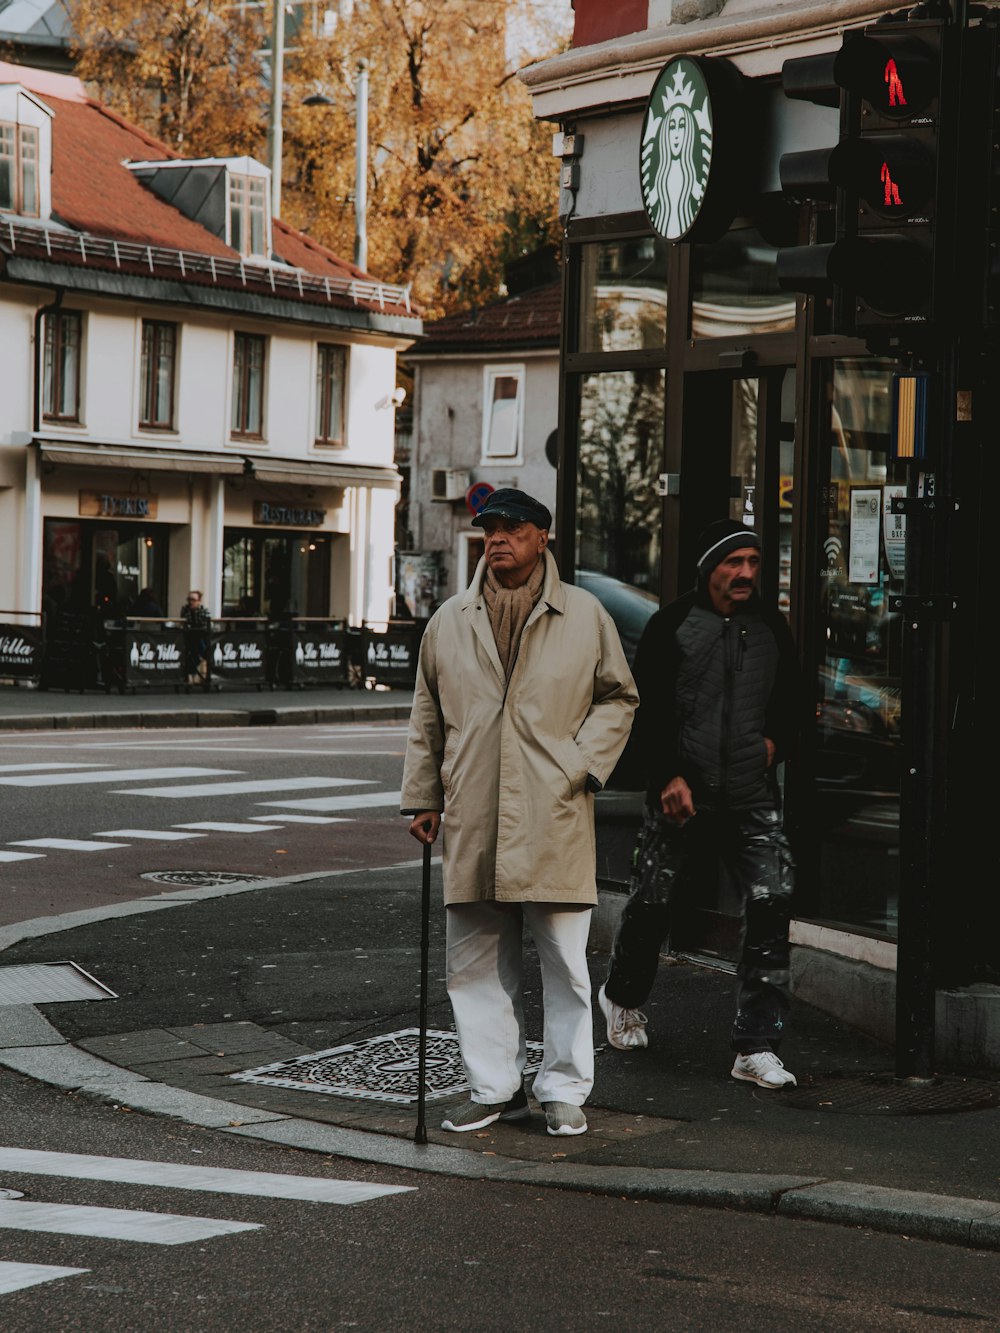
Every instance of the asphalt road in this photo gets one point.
(453, 1256)
(297, 800)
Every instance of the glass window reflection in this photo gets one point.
(734, 288)
(618, 510)
(623, 295)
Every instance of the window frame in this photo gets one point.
(327, 356)
(53, 378)
(243, 209)
(22, 138)
(242, 386)
(491, 375)
(148, 373)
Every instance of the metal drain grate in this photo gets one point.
(201, 879)
(381, 1069)
(49, 983)
(883, 1094)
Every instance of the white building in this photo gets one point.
(193, 393)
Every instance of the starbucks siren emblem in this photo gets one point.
(676, 155)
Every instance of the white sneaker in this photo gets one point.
(626, 1027)
(763, 1068)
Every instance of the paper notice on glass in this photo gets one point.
(894, 532)
(866, 511)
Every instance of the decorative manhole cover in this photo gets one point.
(884, 1094)
(201, 879)
(381, 1069)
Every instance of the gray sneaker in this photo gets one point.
(562, 1118)
(477, 1115)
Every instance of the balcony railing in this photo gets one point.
(80, 247)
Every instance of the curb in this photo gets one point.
(206, 717)
(31, 1046)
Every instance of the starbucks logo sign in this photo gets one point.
(689, 135)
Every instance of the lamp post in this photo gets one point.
(275, 134)
(360, 159)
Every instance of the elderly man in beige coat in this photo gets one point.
(523, 704)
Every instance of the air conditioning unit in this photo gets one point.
(449, 483)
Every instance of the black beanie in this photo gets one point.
(718, 539)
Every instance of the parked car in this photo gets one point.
(628, 606)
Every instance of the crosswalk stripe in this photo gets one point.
(211, 1179)
(361, 802)
(68, 1219)
(27, 768)
(220, 827)
(301, 819)
(21, 856)
(231, 788)
(158, 835)
(114, 775)
(15, 1276)
(67, 844)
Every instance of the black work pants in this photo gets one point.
(665, 864)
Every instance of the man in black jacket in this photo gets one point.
(718, 682)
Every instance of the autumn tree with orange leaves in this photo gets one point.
(461, 177)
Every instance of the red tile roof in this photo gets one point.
(530, 319)
(93, 192)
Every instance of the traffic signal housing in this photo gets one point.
(886, 174)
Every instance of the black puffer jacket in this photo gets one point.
(710, 689)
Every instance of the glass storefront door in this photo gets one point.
(89, 566)
(858, 668)
(275, 574)
(738, 431)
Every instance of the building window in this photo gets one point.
(61, 374)
(248, 215)
(159, 350)
(503, 409)
(331, 366)
(248, 385)
(19, 169)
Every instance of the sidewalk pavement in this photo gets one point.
(322, 962)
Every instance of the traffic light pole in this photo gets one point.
(926, 608)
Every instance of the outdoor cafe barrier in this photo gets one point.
(22, 645)
(311, 650)
(238, 649)
(390, 651)
(146, 652)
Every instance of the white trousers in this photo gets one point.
(484, 952)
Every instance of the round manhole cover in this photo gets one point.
(201, 879)
(884, 1094)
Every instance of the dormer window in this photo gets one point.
(19, 169)
(25, 153)
(248, 215)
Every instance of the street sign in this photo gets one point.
(477, 495)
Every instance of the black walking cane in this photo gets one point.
(420, 1135)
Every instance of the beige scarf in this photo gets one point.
(509, 609)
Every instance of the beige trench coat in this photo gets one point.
(508, 763)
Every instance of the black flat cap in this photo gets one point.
(518, 505)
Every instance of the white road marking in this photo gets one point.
(230, 828)
(211, 1179)
(232, 788)
(362, 802)
(67, 1219)
(21, 856)
(301, 819)
(115, 775)
(26, 768)
(67, 844)
(158, 835)
(15, 1276)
